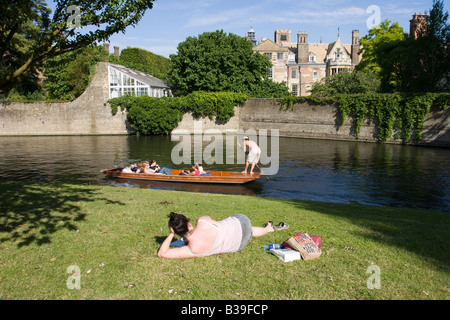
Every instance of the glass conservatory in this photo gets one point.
(124, 81)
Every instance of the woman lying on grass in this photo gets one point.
(209, 236)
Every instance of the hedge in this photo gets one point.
(148, 115)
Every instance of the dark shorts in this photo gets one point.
(246, 229)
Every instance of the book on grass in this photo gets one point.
(286, 255)
(303, 243)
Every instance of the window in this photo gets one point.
(142, 91)
(268, 55)
(115, 92)
(129, 92)
(294, 74)
(114, 77)
(121, 84)
(315, 74)
(295, 89)
(283, 37)
(312, 58)
(280, 56)
(270, 73)
(128, 81)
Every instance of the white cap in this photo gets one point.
(246, 138)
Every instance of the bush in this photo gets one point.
(143, 60)
(347, 83)
(148, 115)
(153, 119)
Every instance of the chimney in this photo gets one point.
(355, 47)
(417, 24)
(116, 51)
(106, 45)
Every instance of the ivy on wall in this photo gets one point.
(398, 113)
(148, 115)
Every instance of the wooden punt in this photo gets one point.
(230, 177)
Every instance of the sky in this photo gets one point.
(170, 22)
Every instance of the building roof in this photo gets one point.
(267, 45)
(141, 76)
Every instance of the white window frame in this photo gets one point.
(121, 84)
(295, 90)
(270, 72)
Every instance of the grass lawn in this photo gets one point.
(111, 236)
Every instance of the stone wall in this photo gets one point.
(319, 122)
(323, 122)
(88, 114)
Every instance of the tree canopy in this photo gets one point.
(217, 61)
(29, 34)
(420, 62)
(347, 82)
(385, 32)
(143, 60)
(68, 75)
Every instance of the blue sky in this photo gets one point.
(172, 21)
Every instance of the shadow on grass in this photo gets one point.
(32, 213)
(419, 231)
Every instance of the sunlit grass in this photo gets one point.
(116, 232)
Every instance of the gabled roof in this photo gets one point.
(335, 44)
(141, 76)
(268, 45)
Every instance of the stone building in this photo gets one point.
(300, 64)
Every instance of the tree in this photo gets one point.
(347, 82)
(143, 60)
(216, 61)
(419, 63)
(68, 75)
(433, 43)
(29, 36)
(377, 36)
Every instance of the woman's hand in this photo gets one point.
(175, 253)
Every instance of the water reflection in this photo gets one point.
(320, 170)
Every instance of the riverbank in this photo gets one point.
(109, 237)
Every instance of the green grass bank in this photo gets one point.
(112, 235)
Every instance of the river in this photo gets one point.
(318, 170)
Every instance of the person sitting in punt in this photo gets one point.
(200, 167)
(156, 169)
(210, 237)
(130, 169)
(195, 171)
(143, 167)
(202, 171)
